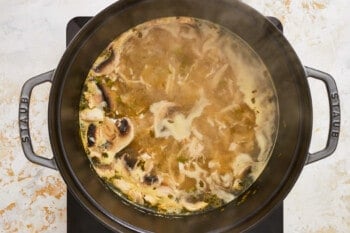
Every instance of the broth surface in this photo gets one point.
(178, 115)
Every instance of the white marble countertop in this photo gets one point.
(32, 40)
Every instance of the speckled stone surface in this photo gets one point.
(32, 40)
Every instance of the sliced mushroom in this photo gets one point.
(109, 96)
(106, 63)
(241, 164)
(93, 95)
(245, 172)
(109, 131)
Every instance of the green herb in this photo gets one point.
(116, 176)
(244, 184)
(84, 103)
(182, 159)
(103, 80)
(213, 200)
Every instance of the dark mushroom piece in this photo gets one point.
(123, 126)
(109, 57)
(108, 96)
(245, 172)
(130, 161)
(129, 155)
(150, 179)
(91, 135)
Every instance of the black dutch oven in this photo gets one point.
(290, 152)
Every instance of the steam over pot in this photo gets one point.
(290, 152)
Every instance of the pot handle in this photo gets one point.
(23, 120)
(334, 118)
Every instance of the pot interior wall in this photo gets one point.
(294, 104)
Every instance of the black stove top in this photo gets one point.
(78, 220)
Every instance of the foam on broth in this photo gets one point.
(178, 115)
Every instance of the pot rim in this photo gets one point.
(305, 129)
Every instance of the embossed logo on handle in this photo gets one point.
(24, 119)
(335, 115)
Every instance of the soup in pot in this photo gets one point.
(178, 115)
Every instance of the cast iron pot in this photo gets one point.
(290, 152)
